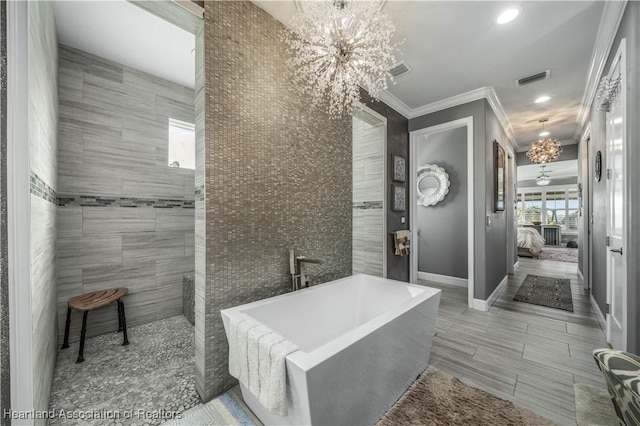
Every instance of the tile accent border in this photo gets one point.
(368, 205)
(40, 189)
(98, 201)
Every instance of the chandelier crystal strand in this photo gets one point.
(337, 46)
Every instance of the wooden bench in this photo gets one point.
(90, 301)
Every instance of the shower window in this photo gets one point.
(182, 144)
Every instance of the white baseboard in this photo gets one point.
(599, 316)
(580, 274)
(443, 279)
(484, 305)
(516, 265)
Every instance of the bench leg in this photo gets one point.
(82, 336)
(65, 344)
(125, 341)
(119, 316)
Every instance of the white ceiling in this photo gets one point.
(456, 46)
(556, 170)
(124, 33)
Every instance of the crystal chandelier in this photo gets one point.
(337, 47)
(544, 179)
(545, 150)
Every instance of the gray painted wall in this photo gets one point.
(490, 243)
(476, 109)
(630, 30)
(569, 152)
(496, 233)
(43, 122)
(442, 229)
(397, 143)
(126, 219)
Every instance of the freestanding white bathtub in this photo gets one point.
(363, 340)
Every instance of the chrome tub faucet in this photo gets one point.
(299, 278)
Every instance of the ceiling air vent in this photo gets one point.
(533, 78)
(399, 69)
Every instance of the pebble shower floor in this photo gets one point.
(144, 383)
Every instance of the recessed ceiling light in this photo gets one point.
(542, 99)
(508, 15)
(545, 133)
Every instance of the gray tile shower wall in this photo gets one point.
(125, 218)
(42, 146)
(278, 175)
(368, 197)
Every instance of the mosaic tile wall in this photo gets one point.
(278, 175)
(43, 165)
(5, 384)
(125, 218)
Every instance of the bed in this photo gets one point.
(530, 242)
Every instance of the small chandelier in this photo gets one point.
(339, 46)
(545, 150)
(544, 179)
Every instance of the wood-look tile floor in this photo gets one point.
(529, 354)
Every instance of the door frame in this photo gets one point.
(413, 198)
(19, 209)
(510, 211)
(585, 176)
(619, 60)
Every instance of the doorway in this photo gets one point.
(449, 257)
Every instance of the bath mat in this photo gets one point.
(546, 291)
(594, 406)
(438, 399)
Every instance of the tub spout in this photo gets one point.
(301, 260)
(297, 267)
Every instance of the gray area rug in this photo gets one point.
(546, 291)
(438, 399)
(559, 254)
(593, 406)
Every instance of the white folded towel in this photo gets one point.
(257, 359)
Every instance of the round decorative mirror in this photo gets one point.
(433, 184)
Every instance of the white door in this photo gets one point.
(615, 175)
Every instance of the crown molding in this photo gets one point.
(486, 92)
(609, 24)
(495, 104)
(395, 103)
(453, 101)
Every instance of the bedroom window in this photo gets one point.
(556, 207)
(559, 205)
(532, 207)
(572, 210)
